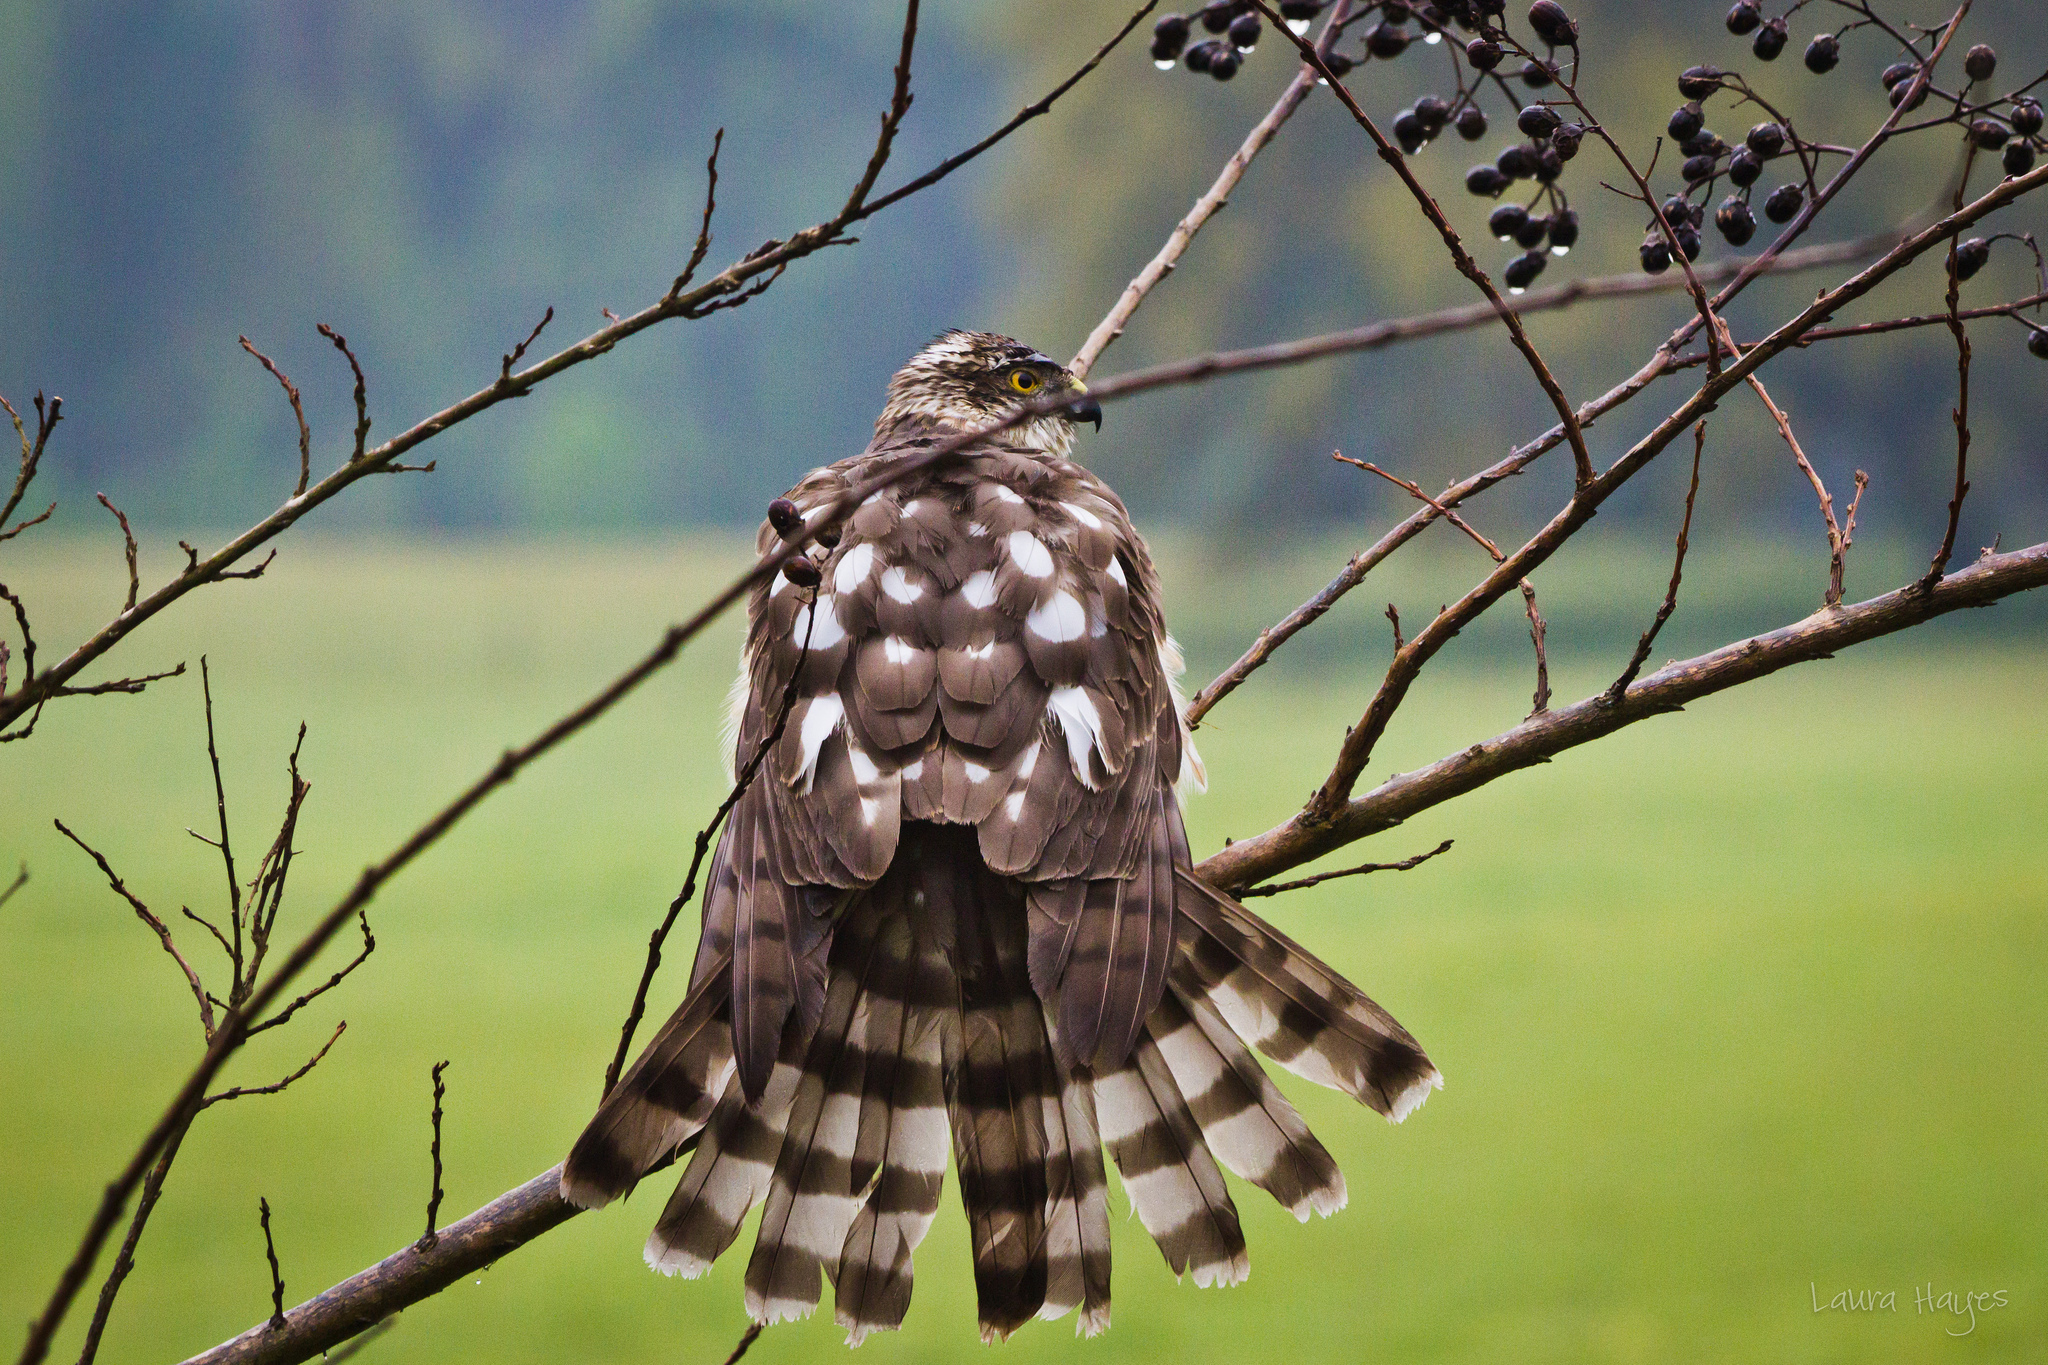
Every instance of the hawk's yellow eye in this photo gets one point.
(1023, 380)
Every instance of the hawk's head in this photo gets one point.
(969, 379)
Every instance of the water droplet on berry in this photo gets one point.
(1167, 65)
(1560, 251)
(1298, 26)
(1433, 38)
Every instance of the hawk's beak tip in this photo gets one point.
(1086, 409)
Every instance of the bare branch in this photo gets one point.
(1395, 617)
(747, 1339)
(20, 880)
(1636, 660)
(284, 1015)
(226, 847)
(291, 393)
(1536, 740)
(892, 118)
(429, 1237)
(157, 926)
(1415, 489)
(47, 416)
(1252, 893)
(1961, 412)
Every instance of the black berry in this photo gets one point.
(1686, 122)
(1434, 113)
(1744, 17)
(1224, 64)
(1300, 11)
(1744, 167)
(1896, 72)
(1565, 139)
(2019, 158)
(1169, 37)
(1217, 14)
(1515, 162)
(1688, 241)
(1698, 168)
(1532, 232)
(1339, 64)
(1537, 120)
(1823, 54)
(1486, 181)
(2038, 344)
(1552, 24)
(783, 516)
(1736, 222)
(1655, 255)
(2025, 117)
(1698, 82)
(1784, 203)
(1483, 53)
(802, 572)
(1537, 75)
(1971, 256)
(1245, 30)
(1471, 123)
(1385, 40)
(1766, 139)
(1201, 54)
(1549, 165)
(1979, 62)
(1523, 270)
(1769, 41)
(1507, 220)
(1989, 134)
(1564, 231)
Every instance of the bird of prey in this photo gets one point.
(957, 902)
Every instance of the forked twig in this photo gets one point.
(430, 1238)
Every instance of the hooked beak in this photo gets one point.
(1083, 408)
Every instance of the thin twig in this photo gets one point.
(127, 535)
(362, 395)
(1415, 489)
(1636, 660)
(20, 880)
(430, 1236)
(702, 246)
(1961, 412)
(291, 393)
(156, 925)
(276, 1278)
(747, 1339)
(1404, 865)
(518, 352)
(1540, 700)
(277, 1087)
(1395, 617)
(220, 805)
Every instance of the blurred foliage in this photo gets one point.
(428, 178)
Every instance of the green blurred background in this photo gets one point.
(1736, 1007)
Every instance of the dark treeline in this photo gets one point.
(429, 178)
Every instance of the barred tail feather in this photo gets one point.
(811, 1196)
(902, 1136)
(1246, 1121)
(1167, 1169)
(1077, 1213)
(728, 1173)
(663, 1100)
(1283, 1000)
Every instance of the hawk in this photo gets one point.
(957, 902)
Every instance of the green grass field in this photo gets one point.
(1735, 1008)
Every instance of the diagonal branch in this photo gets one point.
(157, 926)
(1670, 604)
